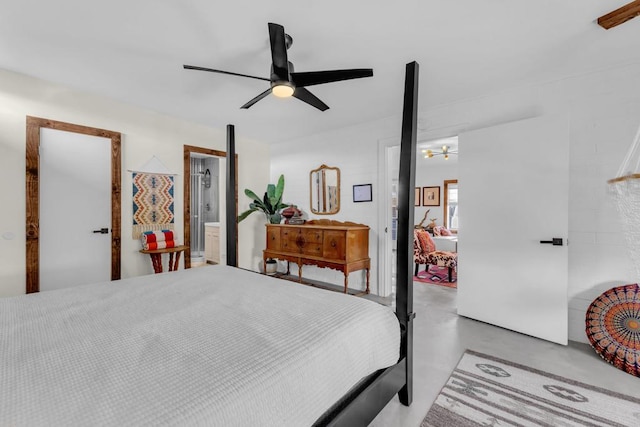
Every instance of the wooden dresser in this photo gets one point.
(342, 246)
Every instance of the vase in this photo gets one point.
(274, 218)
(290, 212)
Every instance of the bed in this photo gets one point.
(213, 345)
(171, 348)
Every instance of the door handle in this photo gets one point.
(101, 231)
(556, 241)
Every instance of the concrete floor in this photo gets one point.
(441, 336)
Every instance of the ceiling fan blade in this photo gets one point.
(193, 67)
(304, 95)
(257, 98)
(279, 51)
(319, 77)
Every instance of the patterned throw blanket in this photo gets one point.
(157, 240)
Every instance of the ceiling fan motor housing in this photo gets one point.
(276, 79)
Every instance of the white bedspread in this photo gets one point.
(207, 346)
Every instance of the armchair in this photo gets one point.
(424, 252)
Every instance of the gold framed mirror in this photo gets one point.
(324, 184)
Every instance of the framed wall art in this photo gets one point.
(417, 197)
(362, 193)
(431, 196)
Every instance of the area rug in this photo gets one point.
(484, 390)
(437, 276)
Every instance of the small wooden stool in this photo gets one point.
(156, 257)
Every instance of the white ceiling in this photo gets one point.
(133, 51)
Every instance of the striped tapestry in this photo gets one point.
(152, 203)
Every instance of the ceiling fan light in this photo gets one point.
(282, 90)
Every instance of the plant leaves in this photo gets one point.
(270, 210)
(245, 214)
(251, 194)
(270, 203)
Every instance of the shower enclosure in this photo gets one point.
(205, 205)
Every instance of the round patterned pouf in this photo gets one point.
(613, 327)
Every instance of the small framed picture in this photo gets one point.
(430, 196)
(417, 197)
(362, 193)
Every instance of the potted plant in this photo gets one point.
(271, 204)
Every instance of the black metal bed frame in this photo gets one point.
(367, 398)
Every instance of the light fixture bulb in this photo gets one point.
(282, 90)
(446, 157)
(429, 154)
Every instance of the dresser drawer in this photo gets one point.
(334, 245)
(311, 242)
(301, 240)
(273, 238)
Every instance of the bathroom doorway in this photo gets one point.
(204, 206)
(205, 209)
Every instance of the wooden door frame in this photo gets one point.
(445, 205)
(188, 149)
(34, 124)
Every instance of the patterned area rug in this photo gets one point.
(487, 391)
(437, 276)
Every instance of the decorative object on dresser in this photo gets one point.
(342, 246)
(290, 213)
(324, 185)
(271, 204)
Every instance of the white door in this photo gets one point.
(75, 202)
(513, 188)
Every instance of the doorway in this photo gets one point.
(202, 222)
(206, 205)
(76, 235)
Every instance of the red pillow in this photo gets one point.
(445, 232)
(440, 230)
(426, 242)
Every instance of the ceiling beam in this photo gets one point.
(620, 16)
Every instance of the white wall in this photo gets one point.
(144, 133)
(355, 151)
(432, 173)
(604, 111)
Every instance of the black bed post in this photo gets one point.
(232, 223)
(406, 196)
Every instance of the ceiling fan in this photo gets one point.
(284, 81)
